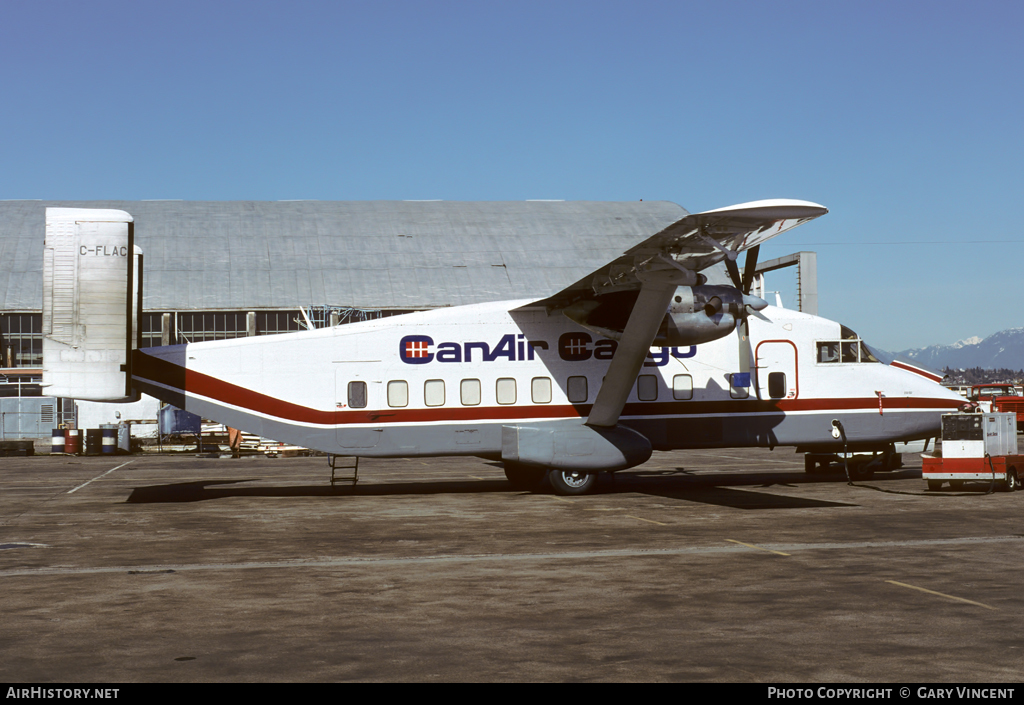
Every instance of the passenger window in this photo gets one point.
(470, 392)
(576, 388)
(357, 395)
(398, 393)
(739, 385)
(647, 387)
(540, 390)
(682, 387)
(506, 391)
(777, 385)
(433, 392)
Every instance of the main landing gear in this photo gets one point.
(571, 482)
(563, 482)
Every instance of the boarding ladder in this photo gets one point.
(332, 460)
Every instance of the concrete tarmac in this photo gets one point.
(729, 565)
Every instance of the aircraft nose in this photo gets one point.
(754, 302)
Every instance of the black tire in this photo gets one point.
(524, 477)
(934, 485)
(861, 471)
(810, 464)
(1012, 484)
(572, 482)
(956, 485)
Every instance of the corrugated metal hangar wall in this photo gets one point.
(228, 269)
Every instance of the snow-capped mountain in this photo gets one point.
(1002, 349)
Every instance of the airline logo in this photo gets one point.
(572, 347)
(421, 349)
(416, 349)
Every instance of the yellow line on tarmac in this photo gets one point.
(940, 594)
(750, 545)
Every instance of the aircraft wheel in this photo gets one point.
(861, 471)
(956, 484)
(524, 477)
(1012, 483)
(816, 464)
(934, 485)
(572, 482)
(891, 460)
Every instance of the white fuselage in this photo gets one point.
(446, 381)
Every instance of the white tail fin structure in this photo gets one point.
(91, 299)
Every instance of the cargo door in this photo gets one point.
(777, 370)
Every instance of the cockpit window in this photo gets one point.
(850, 348)
(828, 351)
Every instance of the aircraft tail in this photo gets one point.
(92, 299)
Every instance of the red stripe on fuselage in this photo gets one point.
(916, 371)
(197, 383)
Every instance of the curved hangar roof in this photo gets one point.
(208, 255)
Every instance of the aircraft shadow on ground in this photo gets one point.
(202, 490)
(721, 489)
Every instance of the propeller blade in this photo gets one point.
(743, 334)
(749, 265)
(734, 271)
(757, 314)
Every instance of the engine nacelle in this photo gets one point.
(700, 314)
(696, 314)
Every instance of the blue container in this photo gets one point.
(57, 442)
(178, 421)
(109, 439)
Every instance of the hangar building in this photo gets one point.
(217, 270)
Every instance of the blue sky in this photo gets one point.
(903, 118)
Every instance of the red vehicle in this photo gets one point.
(999, 397)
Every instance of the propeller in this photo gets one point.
(752, 305)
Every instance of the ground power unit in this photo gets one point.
(975, 447)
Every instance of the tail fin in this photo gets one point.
(91, 301)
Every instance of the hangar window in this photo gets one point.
(153, 330)
(21, 340)
(357, 395)
(433, 392)
(576, 388)
(272, 322)
(470, 392)
(682, 387)
(398, 393)
(777, 385)
(540, 390)
(194, 327)
(647, 387)
(506, 390)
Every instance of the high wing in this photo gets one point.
(695, 242)
(634, 292)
